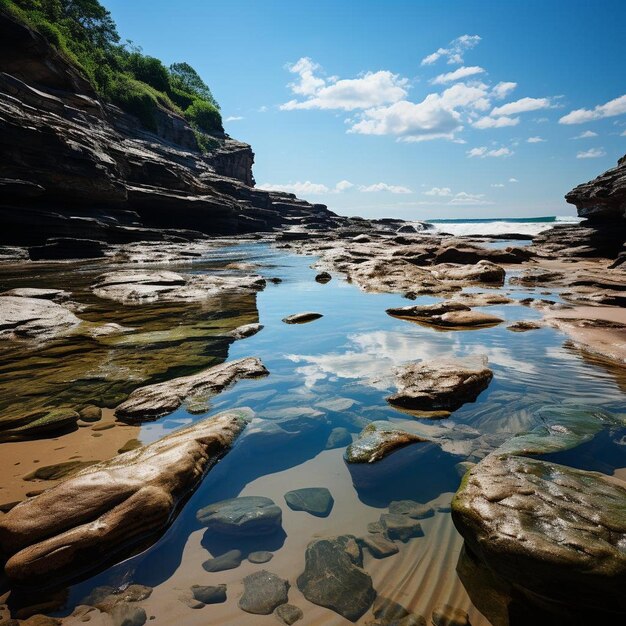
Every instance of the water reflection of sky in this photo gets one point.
(337, 371)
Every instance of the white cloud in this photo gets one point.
(233, 118)
(593, 153)
(521, 106)
(623, 134)
(439, 191)
(535, 140)
(306, 188)
(343, 185)
(462, 72)
(497, 185)
(495, 122)
(586, 135)
(455, 50)
(513, 180)
(384, 187)
(609, 109)
(483, 152)
(463, 198)
(502, 90)
(372, 89)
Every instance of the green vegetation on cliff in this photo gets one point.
(85, 33)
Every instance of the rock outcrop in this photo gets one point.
(78, 168)
(602, 199)
(112, 506)
(553, 532)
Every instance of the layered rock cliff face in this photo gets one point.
(604, 198)
(72, 166)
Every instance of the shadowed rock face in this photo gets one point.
(604, 197)
(155, 400)
(552, 531)
(112, 506)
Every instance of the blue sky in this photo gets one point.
(413, 109)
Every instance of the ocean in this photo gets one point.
(501, 226)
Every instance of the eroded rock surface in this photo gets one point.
(159, 399)
(552, 531)
(109, 507)
(445, 385)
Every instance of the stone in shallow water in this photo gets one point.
(400, 526)
(260, 556)
(323, 278)
(108, 508)
(446, 615)
(209, 594)
(246, 515)
(314, 500)
(302, 318)
(553, 531)
(440, 385)
(34, 318)
(332, 577)
(339, 438)
(466, 319)
(263, 592)
(247, 330)
(411, 508)
(379, 546)
(386, 609)
(228, 560)
(288, 614)
(90, 413)
(375, 443)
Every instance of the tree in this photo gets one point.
(186, 78)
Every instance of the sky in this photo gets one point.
(411, 109)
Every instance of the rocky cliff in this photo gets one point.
(604, 198)
(73, 167)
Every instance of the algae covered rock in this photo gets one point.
(374, 443)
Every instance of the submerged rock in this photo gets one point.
(110, 507)
(260, 556)
(338, 438)
(314, 500)
(159, 399)
(446, 615)
(555, 532)
(246, 515)
(334, 579)
(263, 592)
(373, 444)
(522, 326)
(378, 545)
(398, 526)
(443, 385)
(288, 614)
(37, 424)
(226, 561)
(302, 318)
(209, 594)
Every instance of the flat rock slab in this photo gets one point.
(226, 561)
(160, 399)
(244, 516)
(141, 287)
(401, 527)
(109, 507)
(37, 292)
(481, 272)
(333, 578)
(379, 546)
(447, 314)
(317, 501)
(27, 318)
(302, 318)
(410, 508)
(263, 592)
(554, 531)
(374, 444)
(444, 385)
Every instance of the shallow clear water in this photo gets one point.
(337, 371)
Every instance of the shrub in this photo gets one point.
(204, 116)
(149, 70)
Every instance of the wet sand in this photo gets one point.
(95, 441)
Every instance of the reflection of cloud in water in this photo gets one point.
(371, 357)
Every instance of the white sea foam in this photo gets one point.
(501, 227)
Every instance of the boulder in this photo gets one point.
(160, 399)
(374, 444)
(112, 506)
(263, 592)
(333, 577)
(553, 532)
(302, 318)
(445, 385)
(243, 516)
(314, 500)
